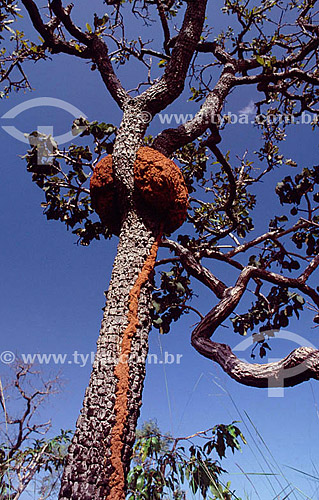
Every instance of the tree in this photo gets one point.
(139, 194)
(27, 456)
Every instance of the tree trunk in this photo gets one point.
(89, 468)
(99, 456)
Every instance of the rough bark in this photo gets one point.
(89, 468)
(208, 116)
(300, 365)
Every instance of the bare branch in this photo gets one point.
(55, 43)
(64, 16)
(93, 46)
(309, 269)
(171, 85)
(300, 365)
(303, 363)
(271, 235)
(162, 15)
(228, 207)
(217, 50)
(301, 75)
(101, 59)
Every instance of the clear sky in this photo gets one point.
(52, 297)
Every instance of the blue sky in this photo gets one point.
(52, 295)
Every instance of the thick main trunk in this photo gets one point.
(89, 471)
(99, 457)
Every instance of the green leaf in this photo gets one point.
(140, 482)
(158, 321)
(260, 60)
(162, 63)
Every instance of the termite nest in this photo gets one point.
(159, 184)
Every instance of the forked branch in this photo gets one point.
(299, 366)
(92, 46)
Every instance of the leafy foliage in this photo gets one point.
(294, 192)
(66, 197)
(209, 216)
(44, 457)
(291, 191)
(162, 465)
(169, 302)
(15, 51)
(273, 310)
(26, 459)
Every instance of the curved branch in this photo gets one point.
(298, 283)
(303, 363)
(94, 47)
(171, 84)
(299, 366)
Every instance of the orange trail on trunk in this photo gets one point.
(117, 480)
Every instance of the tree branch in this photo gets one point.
(101, 59)
(228, 207)
(55, 43)
(217, 50)
(271, 235)
(303, 363)
(64, 16)
(173, 138)
(300, 365)
(277, 77)
(94, 47)
(171, 84)
(167, 36)
(194, 268)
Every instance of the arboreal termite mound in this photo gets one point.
(159, 184)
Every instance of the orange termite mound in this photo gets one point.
(102, 194)
(159, 184)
